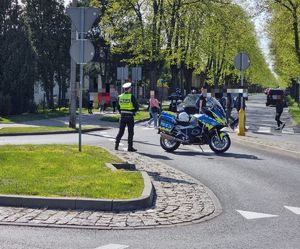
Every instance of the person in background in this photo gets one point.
(279, 110)
(229, 105)
(113, 99)
(201, 102)
(90, 104)
(153, 109)
(102, 105)
(127, 106)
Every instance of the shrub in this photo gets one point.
(5, 104)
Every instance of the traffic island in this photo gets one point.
(179, 199)
(60, 177)
(64, 203)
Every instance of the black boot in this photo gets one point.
(116, 146)
(131, 149)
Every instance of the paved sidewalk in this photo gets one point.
(87, 119)
(179, 199)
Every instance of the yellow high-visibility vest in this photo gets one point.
(125, 102)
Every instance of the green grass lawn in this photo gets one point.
(60, 170)
(294, 110)
(39, 129)
(34, 116)
(140, 115)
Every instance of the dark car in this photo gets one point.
(188, 105)
(273, 95)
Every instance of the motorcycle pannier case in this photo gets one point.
(167, 121)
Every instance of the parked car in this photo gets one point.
(188, 105)
(273, 95)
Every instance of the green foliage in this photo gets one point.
(284, 47)
(5, 104)
(294, 110)
(16, 60)
(49, 29)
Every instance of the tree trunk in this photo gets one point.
(188, 74)
(174, 73)
(296, 34)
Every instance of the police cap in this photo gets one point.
(126, 85)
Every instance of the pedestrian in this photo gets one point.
(113, 99)
(102, 104)
(127, 106)
(238, 105)
(279, 110)
(201, 102)
(229, 104)
(153, 109)
(90, 103)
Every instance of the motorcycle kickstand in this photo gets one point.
(201, 148)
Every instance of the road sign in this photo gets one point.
(137, 73)
(241, 61)
(88, 54)
(122, 73)
(89, 15)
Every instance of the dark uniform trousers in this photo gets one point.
(126, 119)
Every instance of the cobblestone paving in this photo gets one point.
(179, 199)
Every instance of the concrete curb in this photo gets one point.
(63, 132)
(63, 203)
(254, 141)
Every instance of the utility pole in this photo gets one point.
(73, 90)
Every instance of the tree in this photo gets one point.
(16, 60)
(48, 26)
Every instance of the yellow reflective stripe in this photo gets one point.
(209, 127)
(222, 134)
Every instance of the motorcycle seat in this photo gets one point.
(182, 123)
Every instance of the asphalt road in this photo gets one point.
(246, 178)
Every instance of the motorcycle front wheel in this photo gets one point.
(219, 145)
(169, 145)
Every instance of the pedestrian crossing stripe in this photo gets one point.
(263, 129)
(113, 246)
(288, 131)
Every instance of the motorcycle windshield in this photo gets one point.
(217, 110)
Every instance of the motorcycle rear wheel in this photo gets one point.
(169, 145)
(219, 146)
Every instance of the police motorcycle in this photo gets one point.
(197, 129)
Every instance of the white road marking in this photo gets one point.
(253, 215)
(112, 139)
(104, 135)
(295, 210)
(288, 131)
(113, 246)
(263, 129)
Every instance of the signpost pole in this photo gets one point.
(242, 62)
(81, 71)
(82, 51)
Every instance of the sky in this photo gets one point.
(259, 24)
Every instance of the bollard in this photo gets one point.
(241, 130)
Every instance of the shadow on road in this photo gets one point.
(156, 156)
(157, 177)
(212, 155)
(238, 156)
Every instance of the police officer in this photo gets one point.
(127, 106)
